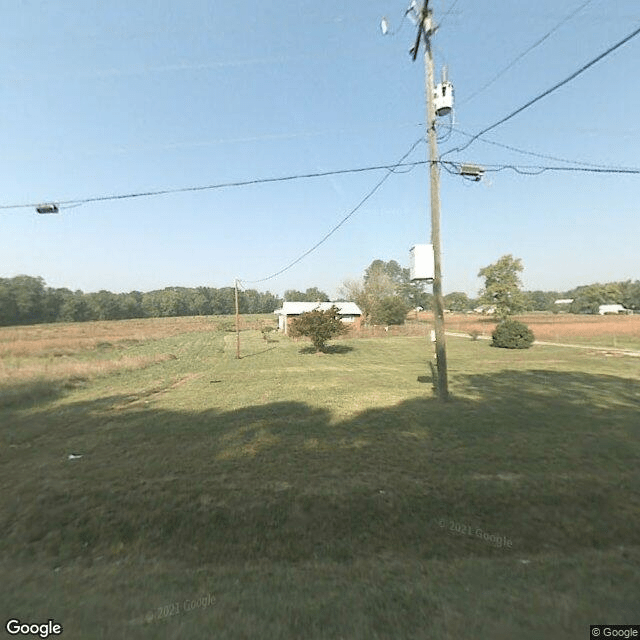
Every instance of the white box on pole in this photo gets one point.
(421, 262)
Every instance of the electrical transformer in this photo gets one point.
(443, 98)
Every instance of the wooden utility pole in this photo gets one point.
(438, 301)
(237, 322)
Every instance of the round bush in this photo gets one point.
(511, 334)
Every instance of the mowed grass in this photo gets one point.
(295, 495)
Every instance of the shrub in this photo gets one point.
(318, 325)
(511, 334)
(390, 310)
(474, 333)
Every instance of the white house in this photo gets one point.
(349, 312)
(485, 309)
(563, 301)
(611, 308)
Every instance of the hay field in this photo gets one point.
(42, 357)
(607, 331)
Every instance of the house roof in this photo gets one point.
(297, 308)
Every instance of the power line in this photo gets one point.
(394, 168)
(451, 8)
(568, 79)
(390, 170)
(517, 59)
(222, 185)
(534, 170)
(538, 170)
(534, 154)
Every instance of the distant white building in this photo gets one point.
(563, 301)
(485, 309)
(349, 312)
(612, 308)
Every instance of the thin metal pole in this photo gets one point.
(237, 323)
(438, 301)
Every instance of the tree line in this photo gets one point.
(27, 300)
(385, 294)
(502, 291)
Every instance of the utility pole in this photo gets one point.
(426, 28)
(237, 323)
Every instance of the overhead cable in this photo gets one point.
(568, 79)
(545, 156)
(454, 168)
(517, 59)
(220, 185)
(401, 167)
(390, 171)
(449, 10)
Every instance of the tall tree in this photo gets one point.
(631, 294)
(457, 301)
(8, 306)
(74, 308)
(312, 294)
(540, 300)
(28, 294)
(388, 282)
(502, 285)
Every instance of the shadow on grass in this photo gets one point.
(34, 392)
(545, 459)
(330, 349)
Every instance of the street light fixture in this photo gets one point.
(48, 208)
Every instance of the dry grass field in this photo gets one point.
(609, 331)
(43, 357)
(63, 339)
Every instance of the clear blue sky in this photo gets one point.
(116, 97)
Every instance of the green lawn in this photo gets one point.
(325, 496)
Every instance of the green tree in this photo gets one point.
(456, 301)
(29, 294)
(539, 300)
(587, 299)
(390, 310)
(74, 308)
(269, 302)
(381, 281)
(8, 306)
(312, 294)
(52, 303)
(103, 305)
(318, 325)
(171, 303)
(502, 286)
(631, 294)
(131, 305)
(224, 301)
(293, 295)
